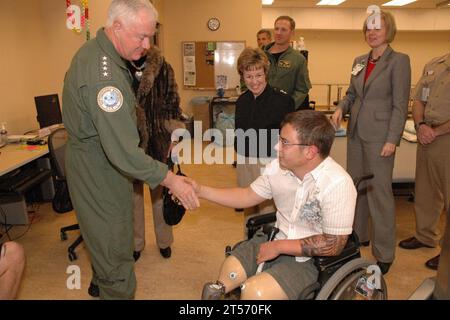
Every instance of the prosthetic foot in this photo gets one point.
(213, 291)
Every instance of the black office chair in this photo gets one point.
(57, 146)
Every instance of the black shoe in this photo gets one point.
(433, 263)
(136, 255)
(412, 243)
(365, 243)
(384, 266)
(93, 290)
(166, 252)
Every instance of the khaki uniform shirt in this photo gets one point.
(433, 89)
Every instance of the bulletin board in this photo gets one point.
(209, 65)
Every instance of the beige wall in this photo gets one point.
(37, 47)
(351, 19)
(37, 50)
(22, 61)
(186, 21)
(334, 38)
(331, 55)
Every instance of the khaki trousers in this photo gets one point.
(375, 199)
(442, 289)
(163, 232)
(432, 189)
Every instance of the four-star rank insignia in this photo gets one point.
(104, 68)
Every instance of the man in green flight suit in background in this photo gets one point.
(102, 154)
(288, 70)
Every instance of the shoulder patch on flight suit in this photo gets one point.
(110, 99)
(284, 64)
(104, 68)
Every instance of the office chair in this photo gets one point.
(57, 147)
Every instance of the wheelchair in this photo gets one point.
(346, 276)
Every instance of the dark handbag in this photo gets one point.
(61, 201)
(172, 211)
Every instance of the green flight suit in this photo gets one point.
(102, 156)
(289, 74)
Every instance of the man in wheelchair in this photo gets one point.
(315, 200)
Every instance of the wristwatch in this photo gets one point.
(417, 125)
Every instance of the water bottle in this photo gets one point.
(3, 134)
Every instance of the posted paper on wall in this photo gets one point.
(190, 73)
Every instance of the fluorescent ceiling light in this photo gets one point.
(267, 2)
(398, 3)
(329, 2)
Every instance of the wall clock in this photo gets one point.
(213, 24)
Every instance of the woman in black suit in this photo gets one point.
(259, 112)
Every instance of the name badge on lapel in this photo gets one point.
(357, 69)
(425, 94)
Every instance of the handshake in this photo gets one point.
(185, 190)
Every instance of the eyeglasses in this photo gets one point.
(285, 143)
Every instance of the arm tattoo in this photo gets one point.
(323, 245)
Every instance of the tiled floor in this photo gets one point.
(197, 253)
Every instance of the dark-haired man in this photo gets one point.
(315, 199)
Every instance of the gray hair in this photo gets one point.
(127, 9)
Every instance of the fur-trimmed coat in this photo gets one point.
(158, 106)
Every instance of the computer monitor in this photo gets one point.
(48, 110)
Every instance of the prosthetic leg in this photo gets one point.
(232, 274)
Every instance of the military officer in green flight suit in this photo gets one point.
(102, 155)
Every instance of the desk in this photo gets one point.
(13, 156)
(404, 165)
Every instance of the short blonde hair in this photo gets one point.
(252, 59)
(389, 22)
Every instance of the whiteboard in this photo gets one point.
(226, 55)
(209, 65)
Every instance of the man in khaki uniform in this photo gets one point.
(431, 112)
(102, 155)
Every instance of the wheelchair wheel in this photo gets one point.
(341, 286)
